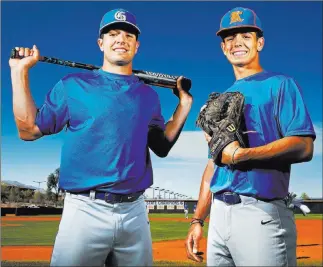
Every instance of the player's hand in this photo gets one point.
(185, 97)
(207, 137)
(228, 151)
(194, 236)
(30, 58)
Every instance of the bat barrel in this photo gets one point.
(164, 80)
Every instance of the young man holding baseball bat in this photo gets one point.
(111, 120)
(250, 222)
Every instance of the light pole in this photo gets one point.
(162, 190)
(39, 182)
(153, 191)
(157, 188)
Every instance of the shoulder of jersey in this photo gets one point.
(80, 75)
(277, 76)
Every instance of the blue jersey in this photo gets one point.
(106, 117)
(274, 109)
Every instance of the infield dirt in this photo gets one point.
(309, 243)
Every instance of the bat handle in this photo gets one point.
(15, 54)
(186, 84)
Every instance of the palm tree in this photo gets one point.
(52, 184)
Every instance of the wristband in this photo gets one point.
(195, 220)
(233, 155)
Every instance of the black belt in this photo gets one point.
(232, 198)
(111, 197)
(229, 198)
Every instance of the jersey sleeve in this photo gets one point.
(291, 113)
(157, 117)
(53, 115)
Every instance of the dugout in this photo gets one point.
(169, 205)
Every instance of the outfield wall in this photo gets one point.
(316, 206)
(169, 205)
(154, 206)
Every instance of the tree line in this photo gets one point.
(12, 194)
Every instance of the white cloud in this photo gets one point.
(182, 170)
(191, 145)
(184, 179)
(307, 177)
(318, 140)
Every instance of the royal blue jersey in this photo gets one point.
(106, 117)
(274, 108)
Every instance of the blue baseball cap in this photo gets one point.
(239, 17)
(119, 17)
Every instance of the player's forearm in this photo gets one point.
(175, 124)
(162, 142)
(287, 150)
(24, 108)
(205, 195)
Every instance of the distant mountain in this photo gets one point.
(21, 185)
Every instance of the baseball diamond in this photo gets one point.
(20, 241)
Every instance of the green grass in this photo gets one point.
(203, 264)
(31, 233)
(169, 215)
(309, 217)
(166, 230)
(181, 216)
(46, 264)
(24, 263)
(309, 263)
(42, 233)
(156, 263)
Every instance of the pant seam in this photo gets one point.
(281, 228)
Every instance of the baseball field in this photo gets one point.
(28, 241)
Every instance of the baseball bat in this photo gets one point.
(148, 77)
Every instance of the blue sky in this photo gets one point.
(177, 38)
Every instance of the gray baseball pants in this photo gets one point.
(95, 233)
(251, 233)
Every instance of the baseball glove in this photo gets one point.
(221, 119)
(292, 203)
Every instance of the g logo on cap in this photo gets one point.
(120, 15)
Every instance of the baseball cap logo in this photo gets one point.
(235, 17)
(120, 15)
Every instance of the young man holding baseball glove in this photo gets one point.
(111, 120)
(255, 131)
